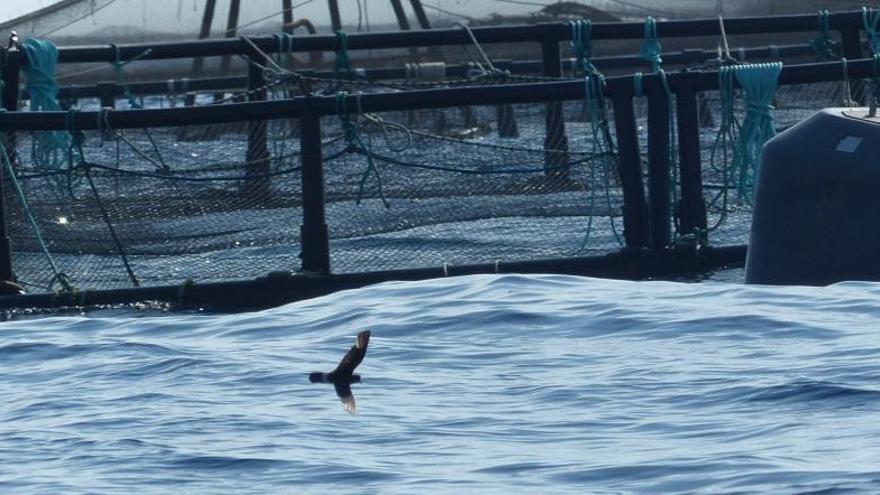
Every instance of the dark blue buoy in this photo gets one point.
(816, 216)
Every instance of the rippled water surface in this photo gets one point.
(486, 384)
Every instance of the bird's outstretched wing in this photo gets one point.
(343, 390)
(354, 356)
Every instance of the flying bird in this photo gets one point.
(343, 376)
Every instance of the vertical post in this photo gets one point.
(258, 159)
(658, 165)
(11, 80)
(555, 141)
(107, 92)
(424, 23)
(204, 32)
(287, 16)
(231, 29)
(313, 232)
(629, 168)
(692, 210)
(335, 19)
(403, 22)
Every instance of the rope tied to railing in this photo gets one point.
(651, 49)
(582, 47)
(285, 47)
(357, 145)
(342, 63)
(48, 147)
(728, 132)
(823, 45)
(602, 146)
(759, 83)
(118, 68)
(870, 21)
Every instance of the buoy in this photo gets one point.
(816, 214)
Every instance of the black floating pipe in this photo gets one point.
(453, 36)
(282, 287)
(205, 84)
(407, 100)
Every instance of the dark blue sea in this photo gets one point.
(485, 384)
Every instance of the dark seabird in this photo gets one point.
(343, 376)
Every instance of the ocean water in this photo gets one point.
(485, 384)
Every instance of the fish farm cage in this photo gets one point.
(295, 180)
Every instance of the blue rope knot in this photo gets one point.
(582, 47)
(760, 109)
(651, 49)
(48, 147)
(343, 63)
(823, 45)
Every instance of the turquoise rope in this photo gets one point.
(48, 147)
(118, 68)
(582, 47)
(356, 144)
(602, 145)
(343, 63)
(759, 83)
(870, 20)
(58, 275)
(651, 49)
(728, 132)
(823, 45)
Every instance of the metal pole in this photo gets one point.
(335, 19)
(11, 79)
(257, 183)
(555, 141)
(692, 210)
(313, 232)
(204, 33)
(658, 167)
(629, 168)
(420, 14)
(231, 29)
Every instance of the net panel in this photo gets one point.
(178, 203)
(445, 187)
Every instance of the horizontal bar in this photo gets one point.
(560, 31)
(406, 100)
(207, 84)
(280, 288)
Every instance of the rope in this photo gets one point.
(355, 143)
(651, 49)
(728, 132)
(118, 68)
(48, 147)
(58, 275)
(759, 83)
(343, 63)
(582, 47)
(823, 45)
(77, 141)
